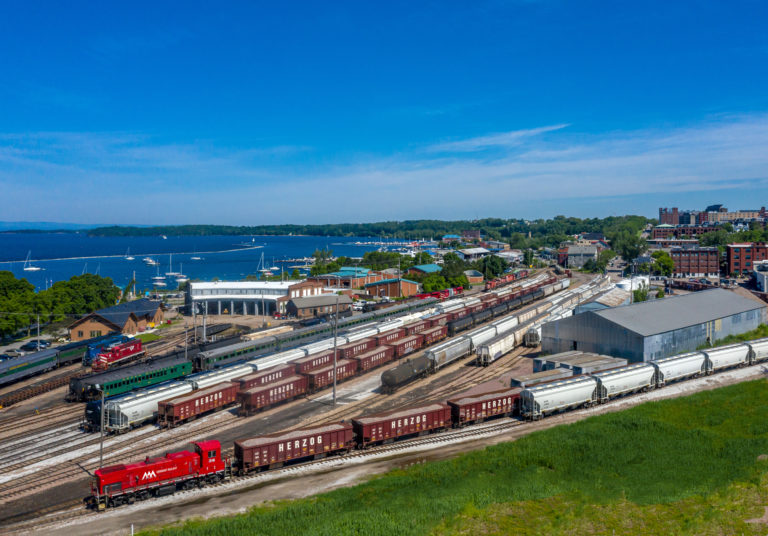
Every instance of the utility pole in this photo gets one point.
(186, 337)
(194, 319)
(38, 332)
(101, 429)
(205, 320)
(335, 333)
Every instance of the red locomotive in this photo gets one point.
(118, 353)
(155, 477)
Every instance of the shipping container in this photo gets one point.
(263, 396)
(435, 334)
(471, 409)
(388, 337)
(319, 379)
(179, 409)
(356, 348)
(314, 361)
(386, 427)
(274, 450)
(266, 376)
(407, 345)
(374, 358)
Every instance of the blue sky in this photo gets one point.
(352, 111)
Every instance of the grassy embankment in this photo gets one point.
(760, 332)
(692, 465)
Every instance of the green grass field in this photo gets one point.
(148, 337)
(691, 465)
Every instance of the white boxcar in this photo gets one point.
(279, 358)
(136, 408)
(481, 335)
(538, 400)
(679, 366)
(320, 346)
(629, 379)
(201, 380)
(490, 351)
(724, 357)
(448, 352)
(759, 350)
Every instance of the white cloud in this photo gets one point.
(199, 183)
(503, 139)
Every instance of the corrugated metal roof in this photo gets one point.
(427, 268)
(668, 314)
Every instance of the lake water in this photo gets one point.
(230, 258)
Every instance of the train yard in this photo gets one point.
(50, 452)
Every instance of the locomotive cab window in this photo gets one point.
(211, 453)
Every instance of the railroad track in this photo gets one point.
(45, 418)
(75, 509)
(38, 388)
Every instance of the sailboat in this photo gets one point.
(28, 267)
(159, 280)
(180, 277)
(170, 271)
(128, 256)
(195, 257)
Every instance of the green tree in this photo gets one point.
(662, 263)
(490, 266)
(641, 294)
(717, 238)
(528, 257)
(629, 244)
(660, 293)
(295, 274)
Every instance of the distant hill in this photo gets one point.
(47, 226)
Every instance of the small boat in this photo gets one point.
(150, 261)
(165, 237)
(159, 283)
(180, 277)
(128, 256)
(28, 266)
(170, 272)
(195, 258)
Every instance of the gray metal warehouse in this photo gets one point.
(657, 328)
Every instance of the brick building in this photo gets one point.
(741, 257)
(669, 216)
(129, 318)
(348, 277)
(672, 231)
(305, 289)
(392, 288)
(695, 262)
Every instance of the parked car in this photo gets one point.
(32, 345)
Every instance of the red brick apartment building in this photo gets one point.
(741, 256)
(695, 262)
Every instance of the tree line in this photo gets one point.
(82, 294)
(519, 233)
